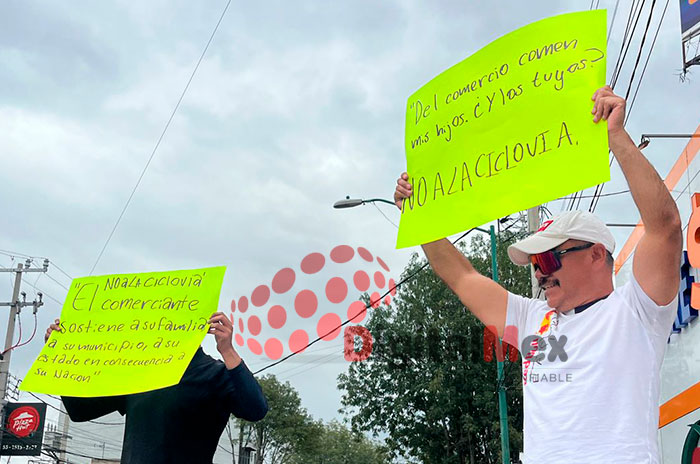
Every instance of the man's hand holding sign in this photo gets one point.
(598, 387)
(143, 332)
(657, 255)
(506, 129)
(220, 327)
(130, 333)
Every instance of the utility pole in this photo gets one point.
(240, 443)
(500, 374)
(533, 223)
(15, 307)
(63, 443)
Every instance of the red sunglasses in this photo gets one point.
(549, 262)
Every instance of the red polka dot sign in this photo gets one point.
(325, 308)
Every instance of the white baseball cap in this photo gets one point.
(576, 225)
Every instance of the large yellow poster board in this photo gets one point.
(506, 129)
(126, 333)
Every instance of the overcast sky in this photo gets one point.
(295, 105)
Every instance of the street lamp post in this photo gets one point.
(500, 375)
(646, 138)
(352, 202)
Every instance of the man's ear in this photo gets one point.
(599, 254)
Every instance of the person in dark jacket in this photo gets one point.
(181, 423)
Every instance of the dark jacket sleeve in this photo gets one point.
(243, 395)
(85, 409)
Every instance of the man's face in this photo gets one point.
(563, 287)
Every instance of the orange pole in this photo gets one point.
(674, 175)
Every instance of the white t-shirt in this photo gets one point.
(594, 397)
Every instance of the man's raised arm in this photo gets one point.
(482, 296)
(658, 254)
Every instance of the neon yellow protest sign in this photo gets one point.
(126, 333)
(506, 129)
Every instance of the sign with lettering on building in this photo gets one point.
(23, 429)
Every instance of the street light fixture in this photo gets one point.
(500, 373)
(352, 202)
(646, 138)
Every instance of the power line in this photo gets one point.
(612, 21)
(641, 48)
(53, 263)
(90, 438)
(626, 42)
(14, 254)
(64, 412)
(160, 139)
(575, 199)
(367, 306)
(54, 450)
(318, 363)
(374, 203)
(634, 97)
(20, 336)
(687, 186)
(229, 452)
(57, 282)
(315, 363)
(675, 199)
(37, 288)
(599, 188)
(43, 292)
(305, 359)
(36, 281)
(621, 192)
(630, 14)
(82, 434)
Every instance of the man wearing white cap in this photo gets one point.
(591, 353)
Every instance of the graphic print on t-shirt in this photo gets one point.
(544, 327)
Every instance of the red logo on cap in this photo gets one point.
(544, 225)
(23, 421)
